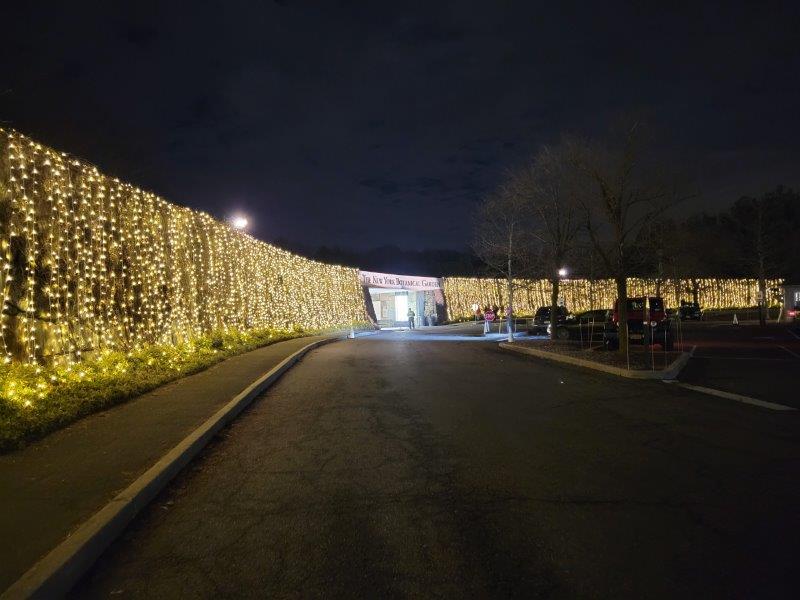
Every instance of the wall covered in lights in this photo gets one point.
(582, 294)
(90, 262)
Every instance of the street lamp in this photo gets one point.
(562, 272)
(239, 222)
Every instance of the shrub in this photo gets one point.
(35, 400)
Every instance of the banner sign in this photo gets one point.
(399, 282)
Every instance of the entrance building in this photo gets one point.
(390, 296)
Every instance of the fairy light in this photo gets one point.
(584, 294)
(90, 263)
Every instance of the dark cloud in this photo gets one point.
(320, 121)
(385, 187)
(138, 35)
(420, 186)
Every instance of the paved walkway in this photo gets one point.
(50, 487)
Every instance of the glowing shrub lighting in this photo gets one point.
(36, 399)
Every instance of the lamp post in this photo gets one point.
(239, 222)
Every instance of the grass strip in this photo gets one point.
(36, 400)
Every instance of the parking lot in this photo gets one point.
(745, 359)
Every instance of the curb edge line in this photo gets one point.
(670, 373)
(63, 566)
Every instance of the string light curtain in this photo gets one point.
(584, 294)
(90, 262)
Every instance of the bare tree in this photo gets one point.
(623, 195)
(550, 190)
(700, 248)
(502, 239)
(761, 228)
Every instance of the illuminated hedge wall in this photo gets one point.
(582, 294)
(90, 262)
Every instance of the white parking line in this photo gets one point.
(760, 358)
(736, 397)
(795, 354)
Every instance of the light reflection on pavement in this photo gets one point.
(407, 335)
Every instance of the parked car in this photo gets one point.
(689, 311)
(654, 327)
(793, 314)
(588, 325)
(541, 319)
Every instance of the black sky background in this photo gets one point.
(363, 124)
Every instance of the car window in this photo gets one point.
(635, 304)
(597, 315)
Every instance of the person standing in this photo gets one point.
(411, 316)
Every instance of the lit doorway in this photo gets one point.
(401, 307)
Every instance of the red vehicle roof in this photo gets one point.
(636, 309)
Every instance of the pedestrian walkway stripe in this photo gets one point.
(736, 397)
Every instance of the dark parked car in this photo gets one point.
(587, 326)
(689, 311)
(651, 328)
(541, 319)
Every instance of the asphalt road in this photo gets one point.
(760, 362)
(383, 467)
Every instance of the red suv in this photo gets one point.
(651, 328)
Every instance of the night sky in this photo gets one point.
(364, 124)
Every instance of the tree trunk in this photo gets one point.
(510, 310)
(622, 311)
(696, 291)
(762, 300)
(554, 307)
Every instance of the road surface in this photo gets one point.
(760, 362)
(386, 467)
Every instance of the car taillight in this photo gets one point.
(792, 313)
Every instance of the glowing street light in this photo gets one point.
(562, 272)
(239, 222)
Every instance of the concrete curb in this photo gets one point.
(57, 572)
(670, 373)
